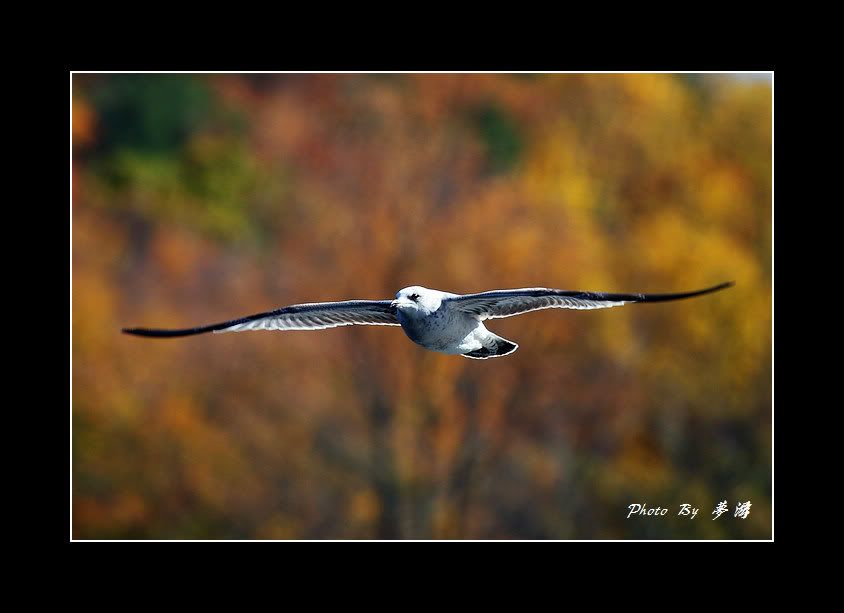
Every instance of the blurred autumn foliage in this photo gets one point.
(202, 198)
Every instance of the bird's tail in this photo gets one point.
(495, 347)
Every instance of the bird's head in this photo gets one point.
(418, 300)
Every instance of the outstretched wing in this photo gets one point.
(315, 316)
(509, 302)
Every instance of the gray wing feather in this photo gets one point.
(314, 316)
(319, 316)
(509, 302)
(506, 303)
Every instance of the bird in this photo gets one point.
(439, 321)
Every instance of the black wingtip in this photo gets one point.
(151, 333)
(708, 290)
(139, 331)
(136, 331)
(719, 287)
(683, 295)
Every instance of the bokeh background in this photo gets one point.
(200, 198)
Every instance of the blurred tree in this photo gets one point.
(500, 137)
(149, 113)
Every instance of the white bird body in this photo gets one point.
(432, 322)
(438, 321)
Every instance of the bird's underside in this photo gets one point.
(439, 321)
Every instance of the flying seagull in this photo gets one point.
(439, 321)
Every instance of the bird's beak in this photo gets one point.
(395, 303)
(399, 302)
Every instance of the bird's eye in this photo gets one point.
(414, 297)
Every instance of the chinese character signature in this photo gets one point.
(720, 509)
(687, 510)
